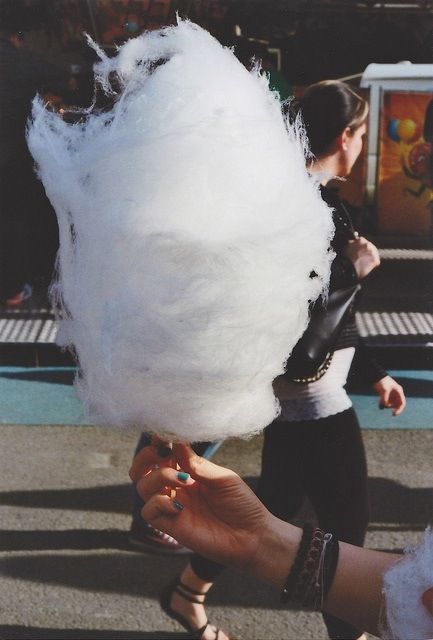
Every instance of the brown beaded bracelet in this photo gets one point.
(304, 592)
(292, 578)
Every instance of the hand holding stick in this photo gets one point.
(162, 453)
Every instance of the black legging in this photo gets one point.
(324, 460)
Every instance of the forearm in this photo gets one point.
(367, 367)
(343, 274)
(276, 552)
(356, 591)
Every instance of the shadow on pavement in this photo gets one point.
(131, 574)
(121, 571)
(53, 376)
(15, 632)
(83, 539)
(110, 498)
(391, 502)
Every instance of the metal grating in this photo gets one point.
(41, 328)
(395, 324)
(33, 326)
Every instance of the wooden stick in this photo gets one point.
(173, 464)
(170, 463)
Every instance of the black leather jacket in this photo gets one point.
(343, 275)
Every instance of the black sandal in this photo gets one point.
(178, 587)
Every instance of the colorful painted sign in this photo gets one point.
(405, 177)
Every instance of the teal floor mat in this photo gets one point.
(42, 395)
(418, 386)
(46, 395)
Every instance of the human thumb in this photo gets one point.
(199, 468)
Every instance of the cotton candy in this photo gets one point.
(189, 232)
(404, 585)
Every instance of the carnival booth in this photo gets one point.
(399, 170)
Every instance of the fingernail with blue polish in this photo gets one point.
(163, 451)
(178, 505)
(183, 476)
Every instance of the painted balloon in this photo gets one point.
(392, 130)
(408, 130)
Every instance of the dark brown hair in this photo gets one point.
(327, 108)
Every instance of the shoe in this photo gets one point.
(188, 594)
(144, 537)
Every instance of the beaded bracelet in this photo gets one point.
(298, 563)
(305, 590)
(318, 596)
(313, 569)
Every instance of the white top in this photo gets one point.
(319, 399)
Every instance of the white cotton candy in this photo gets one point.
(188, 231)
(404, 585)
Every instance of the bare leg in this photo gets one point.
(194, 612)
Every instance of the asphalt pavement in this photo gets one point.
(67, 571)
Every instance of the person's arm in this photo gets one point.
(364, 256)
(391, 393)
(343, 273)
(353, 263)
(356, 591)
(355, 256)
(217, 515)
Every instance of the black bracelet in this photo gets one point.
(330, 565)
(313, 569)
(298, 563)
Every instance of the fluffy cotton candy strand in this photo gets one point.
(188, 232)
(404, 584)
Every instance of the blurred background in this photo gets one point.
(384, 49)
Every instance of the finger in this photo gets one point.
(160, 480)
(163, 448)
(199, 468)
(358, 242)
(142, 462)
(384, 399)
(400, 405)
(160, 512)
(147, 458)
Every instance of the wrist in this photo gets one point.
(350, 272)
(276, 551)
(379, 384)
